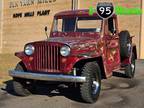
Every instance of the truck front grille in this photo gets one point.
(46, 58)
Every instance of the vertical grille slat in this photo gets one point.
(46, 58)
(54, 57)
(38, 58)
(57, 58)
(43, 58)
(39, 62)
(50, 58)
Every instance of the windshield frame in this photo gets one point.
(55, 23)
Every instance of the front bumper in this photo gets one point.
(47, 77)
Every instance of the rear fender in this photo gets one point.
(134, 50)
(127, 60)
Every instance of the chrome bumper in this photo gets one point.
(47, 77)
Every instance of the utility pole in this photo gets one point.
(142, 33)
(1, 25)
(75, 4)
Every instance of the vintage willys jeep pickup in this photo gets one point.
(82, 49)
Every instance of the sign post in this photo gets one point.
(142, 34)
(75, 4)
(1, 25)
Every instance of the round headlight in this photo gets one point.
(65, 51)
(29, 50)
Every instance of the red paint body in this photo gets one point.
(84, 46)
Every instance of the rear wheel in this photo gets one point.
(130, 69)
(125, 44)
(22, 87)
(90, 90)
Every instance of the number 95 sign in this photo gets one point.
(105, 10)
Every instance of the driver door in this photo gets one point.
(112, 44)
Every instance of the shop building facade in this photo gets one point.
(24, 21)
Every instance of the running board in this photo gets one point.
(121, 70)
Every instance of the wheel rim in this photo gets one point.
(95, 87)
(129, 47)
(132, 67)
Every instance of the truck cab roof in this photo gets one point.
(77, 13)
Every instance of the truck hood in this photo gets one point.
(79, 45)
(71, 41)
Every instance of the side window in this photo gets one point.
(57, 25)
(60, 25)
(111, 25)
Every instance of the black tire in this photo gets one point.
(125, 44)
(90, 90)
(130, 69)
(21, 88)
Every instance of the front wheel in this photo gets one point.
(90, 90)
(20, 86)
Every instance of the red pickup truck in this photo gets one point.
(82, 49)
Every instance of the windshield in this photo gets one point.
(77, 24)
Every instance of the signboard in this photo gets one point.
(26, 3)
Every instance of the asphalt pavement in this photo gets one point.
(117, 92)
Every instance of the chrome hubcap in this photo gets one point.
(129, 47)
(132, 67)
(95, 87)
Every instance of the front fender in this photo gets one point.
(67, 63)
(72, 60)
(24, 58)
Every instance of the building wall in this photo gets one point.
(1, 26)
(142, 35)
(20, 30)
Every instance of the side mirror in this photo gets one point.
(46, 28)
